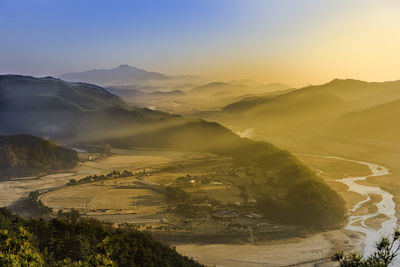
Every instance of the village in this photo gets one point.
(171, 200)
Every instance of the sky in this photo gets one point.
(296, 42)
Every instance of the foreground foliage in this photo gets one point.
(16, 249)
(69, 240)
(386, 251)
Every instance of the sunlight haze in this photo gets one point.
(194, 133)
(292, 42)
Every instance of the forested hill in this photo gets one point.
(26, 155)
(72, 241)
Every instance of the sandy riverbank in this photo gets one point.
(311, 251)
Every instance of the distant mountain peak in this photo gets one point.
(341, 81)
(123, 74)
(126, 67)
(49, 78)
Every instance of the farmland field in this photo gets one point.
(121, 159)
(134, 199)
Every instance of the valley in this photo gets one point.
(177, 196)
(217, 194)
(133, 200)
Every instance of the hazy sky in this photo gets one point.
(290, 41)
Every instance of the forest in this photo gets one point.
(26, 155)
(69, 240)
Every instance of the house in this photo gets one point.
(255, 215)
(225, 215)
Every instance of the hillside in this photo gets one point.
(24, 91)
(80, 121)
(62, 110)
(24, 155)
(83, 113)
(380, 123)
(287, 112)
(234, 88)
(167, 94)
(359, 94)
(72, 241)
(126, 93)
(308, 109)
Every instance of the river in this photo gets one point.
(386, 206)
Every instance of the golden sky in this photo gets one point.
(296, 42)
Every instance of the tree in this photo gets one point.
(100, 259)
(106, 149)
(17, 250)
(385, 251)
(34, 195)
(103, 258)
(72, 182)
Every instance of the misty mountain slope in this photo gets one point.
(298, 105)
(359, 94)
(77, 112)
(19, 90)
(167, 93)
(80, 121)
(311, 108)
(25, 155)
(52, 107)
(211, 96)
(287, 111)
(246, 103)
(183, 94)
(167, 101)
(133, 94)
(126, 93)
(234, 88)
(381, 122)
(215, 87)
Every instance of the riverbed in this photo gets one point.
(386, 206)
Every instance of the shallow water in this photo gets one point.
(386, 206)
